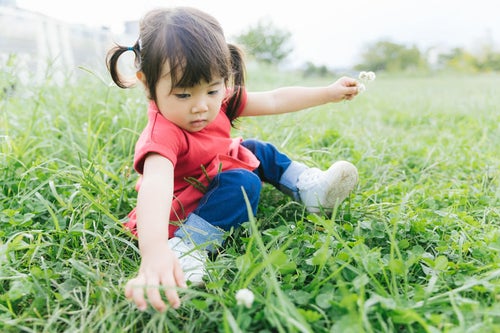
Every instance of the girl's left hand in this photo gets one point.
(345, 88)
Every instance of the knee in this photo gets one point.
(255, 145)
(250, 144)
(261, 149)
(252, 186)
(252, 183)
(245, 179)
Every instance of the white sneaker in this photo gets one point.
(327, 189)
(191, 259)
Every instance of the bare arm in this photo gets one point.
(290, 99)
(159, 266)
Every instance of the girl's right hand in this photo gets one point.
(159, 270)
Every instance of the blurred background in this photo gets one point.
(315, 37)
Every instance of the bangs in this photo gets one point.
(193, 58)
(185, 73)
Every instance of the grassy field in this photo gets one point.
(416, 248)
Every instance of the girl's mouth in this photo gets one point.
(198, 123)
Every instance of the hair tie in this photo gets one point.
(130, 48)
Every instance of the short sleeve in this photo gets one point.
(154, 140)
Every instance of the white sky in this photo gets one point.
(329, 32)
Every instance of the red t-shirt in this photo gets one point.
(211, 149)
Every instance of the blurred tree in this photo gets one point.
(459, 60)
(392, 57)
(491, 62)
(266, 42)
(487, 58)
(312, 70)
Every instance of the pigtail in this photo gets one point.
(238, 82)
(112, 64)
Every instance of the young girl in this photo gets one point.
(193, 173)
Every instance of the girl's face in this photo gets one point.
(190, 108)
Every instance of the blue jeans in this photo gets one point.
(223, 206)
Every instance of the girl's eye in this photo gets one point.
(182, 96)
(213, 92)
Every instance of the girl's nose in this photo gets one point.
(200, 106)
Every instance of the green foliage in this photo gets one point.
(490, 61)
(459, 60)
(8, 77)
(391, 57)
(266, 42)
(416, 248)
(312, 70)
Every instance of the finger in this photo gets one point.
(134, 291)
(349, 82)
(128, 289)
(154, 296)
(172, 296)
(179, 277)
(350, 92)
(354, 90)
(170, 292)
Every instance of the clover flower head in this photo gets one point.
(362, 75)
(367, 76)
(245, 297)
(361, 88)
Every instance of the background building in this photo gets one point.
(43, 45)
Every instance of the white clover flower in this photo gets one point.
(367, 76)
(361, 88)
(363, 75)
(245, 297)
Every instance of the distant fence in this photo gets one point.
(43, 44)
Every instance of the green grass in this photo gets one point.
(416, 248)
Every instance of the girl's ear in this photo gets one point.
(141, 77)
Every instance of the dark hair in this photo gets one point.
(192, 43)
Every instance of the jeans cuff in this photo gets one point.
(198, 231)
(289, 179)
